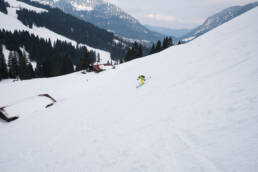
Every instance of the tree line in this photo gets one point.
(167, 42)
(3, 6)
(18, 65)
(53, 59)
(136, 51)
(40, 48)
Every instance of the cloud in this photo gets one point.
(165, 18)
(171, 19)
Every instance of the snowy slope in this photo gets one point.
(21, 5)
(198, 112)
(11, 23)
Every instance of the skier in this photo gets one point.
(141, 78)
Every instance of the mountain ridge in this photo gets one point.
(218, 19)
(107, 16)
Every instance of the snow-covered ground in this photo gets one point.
(11, 23)
(198, 112)
(6, 53)
(14, 4)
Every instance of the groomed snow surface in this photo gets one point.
(197, 113)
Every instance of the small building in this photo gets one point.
(97, 68)
(101, 67)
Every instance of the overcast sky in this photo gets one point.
(174, 13)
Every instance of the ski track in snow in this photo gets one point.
(198, 113)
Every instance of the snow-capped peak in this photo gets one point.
(85, 5)
(82, 7)
(16, 5)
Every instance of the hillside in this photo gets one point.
(217, 20)
(108, 16)
(198, 112)
(45, 23)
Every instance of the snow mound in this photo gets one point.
(197, 113)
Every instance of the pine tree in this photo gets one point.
(85, 60)
(98, 58)
(67, 66)
(3, 66)
(170, 42)
(134, 52)
(92, 57)
(30, 71)
(158, 46)
(55, 66)
(139, 54)
(165, 43)
(129, 55)
(3, 6)
(23, 72)
(46, 67)
(39, 72)
(13, 65)
(152, 51)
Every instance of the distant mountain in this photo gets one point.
(107, 16)
(217, 20)
(168, 31)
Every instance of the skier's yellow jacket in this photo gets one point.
(142, 79)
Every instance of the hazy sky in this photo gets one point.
(174, 13)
